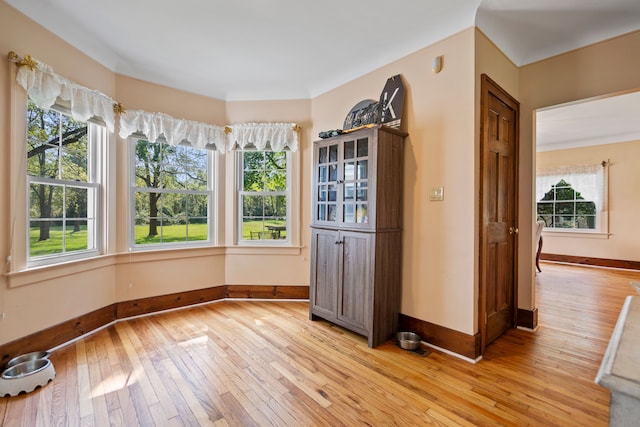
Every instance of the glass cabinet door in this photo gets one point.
(355, 177)
(327, 184)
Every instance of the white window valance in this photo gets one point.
(589, 180)
(44, 87)
(278, 136)
(174, 131)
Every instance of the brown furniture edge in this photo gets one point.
(528, 318)
(598, 262)
(439, 336)
(71, 329)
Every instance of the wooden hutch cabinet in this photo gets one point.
(356, 231)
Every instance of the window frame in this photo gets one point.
(210, 192)
(291, 236)
(97, 138)
(573, 214)
(601, 212)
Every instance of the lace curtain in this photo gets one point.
(278, 136)
(175, 131)
(589, 180)
(44, 86)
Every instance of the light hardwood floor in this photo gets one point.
(246, 363)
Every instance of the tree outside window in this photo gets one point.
(62, 190)
(264, 195)
(172, 194)
(565, 208)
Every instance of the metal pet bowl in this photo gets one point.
(408, 340)
(24, 377)
(27, 357)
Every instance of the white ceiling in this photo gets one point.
(591, 122)
(531, 30)
(299, 49)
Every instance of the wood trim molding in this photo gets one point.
(266, 292)
(58, 334)
(460, 343)
(599, 262)
(148, 305)
(528, 318)
(71, 329)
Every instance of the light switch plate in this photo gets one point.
(436, 194)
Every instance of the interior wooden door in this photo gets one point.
(499, 213)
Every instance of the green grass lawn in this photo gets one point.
(170, 233)
(75, 241)
(256, 226)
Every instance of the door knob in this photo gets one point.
(513, 230)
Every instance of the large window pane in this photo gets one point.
(253, 206)
(263, 194)
(76, 203)
(564, 207)
(62, 192)
(172, 194)
(45, 238)
(76, 238)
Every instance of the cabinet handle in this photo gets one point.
(339, 242)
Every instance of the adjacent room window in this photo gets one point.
(172, 194)
(63, 162)
(572, 198)
(264, 196)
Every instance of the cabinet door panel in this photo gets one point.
(355, 294)
(324, 276)
(327, 186)
(355, 176)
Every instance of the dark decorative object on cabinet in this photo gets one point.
(392, 102)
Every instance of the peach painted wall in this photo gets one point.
(42, 300)
(438, 236)
(441, 117)
(604, 68)
(624, 204)
(145, 274)
(277, 266)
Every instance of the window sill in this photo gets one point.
(160, 254)
(576, 234)
(263, 250)
(36, 275)
(47, 272)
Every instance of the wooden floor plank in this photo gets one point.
(261, 363)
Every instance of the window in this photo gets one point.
(63, 158)
(171, 194)
(264, 196)
(572, 198)
(564, 207)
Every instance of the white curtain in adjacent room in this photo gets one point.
(589, 180)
